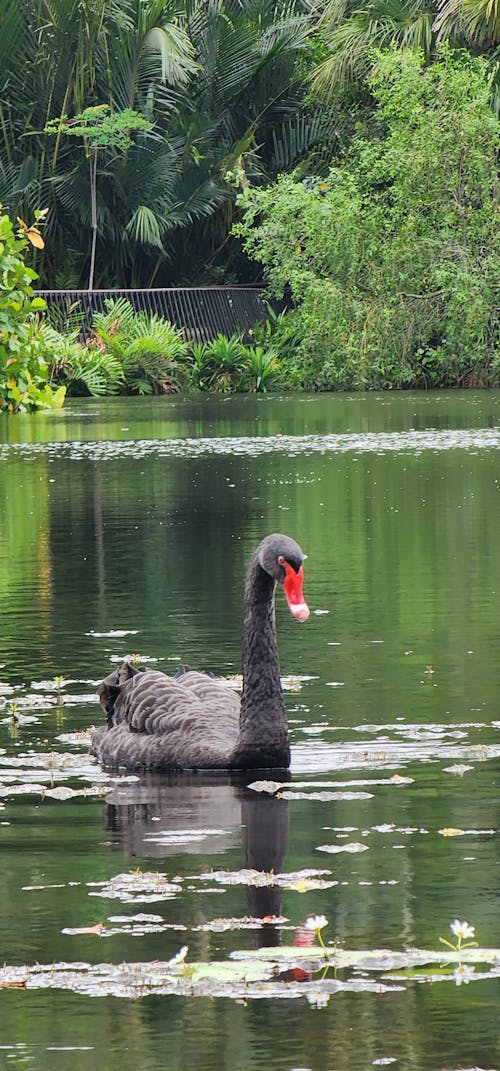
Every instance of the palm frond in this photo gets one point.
(145, 227)
(118, 315)
(99, 373)
(12, 39)
(290, 34)
(200, 202)
(477, 20)
(84, 369)
(175, 51)
(385, 24)
(296, 138)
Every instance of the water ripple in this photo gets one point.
(291, 445)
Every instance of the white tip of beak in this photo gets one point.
(300, 610)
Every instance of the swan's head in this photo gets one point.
(282, 558)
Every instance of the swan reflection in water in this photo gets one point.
(162, 815)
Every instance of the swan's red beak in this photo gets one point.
(292, 586)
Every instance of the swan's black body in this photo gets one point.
(192, 722)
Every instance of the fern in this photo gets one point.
(98, 373)
(83, 369)
(147, 347)
(118, 317)
(66, 317)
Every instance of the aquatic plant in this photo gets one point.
(317, 923)
(462, 932)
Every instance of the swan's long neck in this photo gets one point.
(263, 725)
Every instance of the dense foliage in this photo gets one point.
(141, 353)
(218, 84)
(392, 260)
(352, 142)
(23, 368)
(352, 29)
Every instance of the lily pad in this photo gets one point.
(353, 847)
(268, 787)
(452, 831)
(136, 887)
(326, 797)
(263, 973)
(177, 837)
(262, 879)
(246, 923)
(81, 737)
(458, 769)
(376, 959)
(56, 766)
(60, 792)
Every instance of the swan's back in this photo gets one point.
(156, 721)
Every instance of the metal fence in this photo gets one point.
(199, 312)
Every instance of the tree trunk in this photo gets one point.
(93, 202)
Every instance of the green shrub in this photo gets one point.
(84, 369)
(392, 260)
(261, 369)
(218, 364)
(23, 368)
(151, 352)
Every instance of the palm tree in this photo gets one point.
(65, 56)
(476, 20)
(217, 79)
(142, 56)
(47, 52)
(246, 107)
(351, 29)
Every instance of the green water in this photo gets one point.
(126, 526)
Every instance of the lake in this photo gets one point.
(126, 528)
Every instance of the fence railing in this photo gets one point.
(200, 312)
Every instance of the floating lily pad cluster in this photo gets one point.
(262, 974)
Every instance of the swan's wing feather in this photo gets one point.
(212, 692)
(160, 721)
(153, 702)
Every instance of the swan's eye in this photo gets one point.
(281, 560)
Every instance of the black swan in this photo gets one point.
(191, 721)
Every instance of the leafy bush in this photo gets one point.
(225, 365)
(84, 369)
(218, 364)
(261, 369)
(139, 353)
(392, 260)
(150, 350)
(23, 368)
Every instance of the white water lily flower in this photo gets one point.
(462, 930)
(316, 922)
